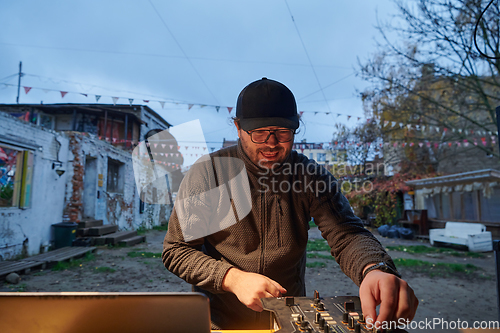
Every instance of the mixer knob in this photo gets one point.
(321, 307)
(345, 317)
(357, 328)
(318, 317)
(349, 306)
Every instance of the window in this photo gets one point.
(470, 206)
(321, 157)
(490, 209)
(446, 208)
(16, 172)
(115, 176)
(456, 201)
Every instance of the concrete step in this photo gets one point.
(116, 237)
(102, 230)
(133, 240)
(89, 223)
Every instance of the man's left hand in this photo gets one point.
(396, 298)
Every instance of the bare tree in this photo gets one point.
(433, 85)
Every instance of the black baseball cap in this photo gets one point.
(266, 103)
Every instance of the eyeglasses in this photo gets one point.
(261, 136)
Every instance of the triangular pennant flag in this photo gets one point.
(359, 118)
(458, 143)
(115, 99)
(385, 123)
(338, 115)
(393, 123)
(217, 108)
(145, 100)
(190, 106)
(301, 113)
(27, 89)
(162, 104)
(131, 100)
(84, 94)
(315, 113)
(97, 97)
(420, 144)
(63, 93)
(408, 127)
(171, 147)
(348, 117)
(229, 109)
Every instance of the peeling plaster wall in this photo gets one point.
(23, 231)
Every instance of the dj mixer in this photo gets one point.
(339, 314)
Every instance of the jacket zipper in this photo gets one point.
(263, 231)
(278, 223)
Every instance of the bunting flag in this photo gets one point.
(145, 100)
(115, 99)
(190, 106)
(27, 89)
(217, 108)
(338, 115)
(348, 117)
(229, 109)
(385, 123)
(131, 100)
(97, 97)
(84, 95)
(301, 113)
(63, 93)
(162, 104)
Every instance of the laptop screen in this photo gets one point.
(104, 312)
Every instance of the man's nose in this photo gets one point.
(272, 141)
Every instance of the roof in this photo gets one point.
(69, 107)
(465, 177)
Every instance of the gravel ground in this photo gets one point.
(463, 297)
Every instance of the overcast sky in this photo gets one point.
(193, 55)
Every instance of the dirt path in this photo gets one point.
(468, 298)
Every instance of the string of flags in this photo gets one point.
(486, 142)
(116, 99)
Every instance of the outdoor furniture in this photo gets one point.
(472, 235)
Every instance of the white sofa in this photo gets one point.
(472, 235)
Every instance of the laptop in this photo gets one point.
(104, 312)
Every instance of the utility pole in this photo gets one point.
(19, 80)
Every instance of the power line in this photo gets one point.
(307, 54)
(183, 52)
(171, 56)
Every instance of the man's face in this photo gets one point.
(269, 154)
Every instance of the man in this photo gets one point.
(236, 256)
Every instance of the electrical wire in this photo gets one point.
(307, 54)
(475, 33)
(183, 52)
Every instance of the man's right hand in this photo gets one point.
(251, 287)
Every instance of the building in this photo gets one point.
(73, 162)
(472, 197)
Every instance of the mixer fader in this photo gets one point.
(339, 314)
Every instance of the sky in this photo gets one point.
(189, 59)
